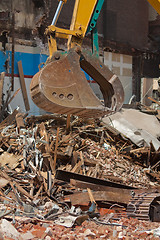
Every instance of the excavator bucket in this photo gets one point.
(61, 86)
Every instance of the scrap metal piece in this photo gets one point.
(69, 220)
(67, 176)
(145, 206)
(61, 86)
(139, 132)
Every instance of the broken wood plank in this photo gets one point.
(153, 100)
(3, 182)
(9, 119)
(19, 121)
(13, 183)
(55, 151)
(22, 190)
(40, 118)
(2, 75)
(15, 193)
(91, 195)
(155, 165)
(39, 191)
(69, 150)
(77, 167)
(17, 91)
(158, 115)
(83, 197)
(44, 135)
(68, 123)
(10, 160)
(23, 86)
(82, 162)
(74, 158)
(141, 150)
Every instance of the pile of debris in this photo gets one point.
(86, 175)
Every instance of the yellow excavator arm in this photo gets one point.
(82, 14)
(155, 4)
(61, 85)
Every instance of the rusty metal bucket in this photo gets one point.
(61, 86)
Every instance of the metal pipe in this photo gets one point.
(59, 8)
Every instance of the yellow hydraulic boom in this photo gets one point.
(80, 20)
(155, 4)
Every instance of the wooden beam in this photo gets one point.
(55, 151)
(8, 120)
(13, 96)
(97, 187)
(83, 197)
(19, 121)
(68, 124)
(23, 86)
(1, 90)
(153, 100)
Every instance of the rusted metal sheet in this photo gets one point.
(67, 176)
(61, 86)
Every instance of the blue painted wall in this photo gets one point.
(30, 61)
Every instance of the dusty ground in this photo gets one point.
(129, 229)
